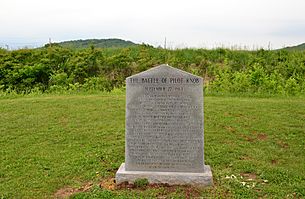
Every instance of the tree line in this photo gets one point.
(55, 68)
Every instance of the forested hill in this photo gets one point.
(298, 47)
(98, 43)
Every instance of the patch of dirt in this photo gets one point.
(274, 162)
(189, 191)
(63, 120)
(245, 158)
(64, 192)
(230, 129)
(255, 137)
(126, 185)
(262, 136)
(283, 144)
(249, 176)
(248, 138)
(238, 115)
(226, 114)
(112, 170)
(68, 191)
(108, 184)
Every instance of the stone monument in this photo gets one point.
(164, 129)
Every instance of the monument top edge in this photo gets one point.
(163, 67)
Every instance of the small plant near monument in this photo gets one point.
(141, 182)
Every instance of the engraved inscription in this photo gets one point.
(164, 122)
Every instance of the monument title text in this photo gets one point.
(164, 80)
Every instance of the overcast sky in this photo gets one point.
(189, 23)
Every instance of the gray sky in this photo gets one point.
(190, 23)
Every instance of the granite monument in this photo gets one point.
(164, 128)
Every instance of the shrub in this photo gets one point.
(97, 83)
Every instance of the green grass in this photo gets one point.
(255, 147)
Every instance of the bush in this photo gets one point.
(97, 83)
(292, 87)
(57, 69)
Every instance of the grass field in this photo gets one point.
(52, 146)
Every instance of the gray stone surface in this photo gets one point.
(164, 125)
(171, 178)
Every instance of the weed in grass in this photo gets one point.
(141, 182)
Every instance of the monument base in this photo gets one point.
(170, 178)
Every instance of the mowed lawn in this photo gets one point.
(53, 145)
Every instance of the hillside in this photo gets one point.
(98, 43)
(298, 47)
